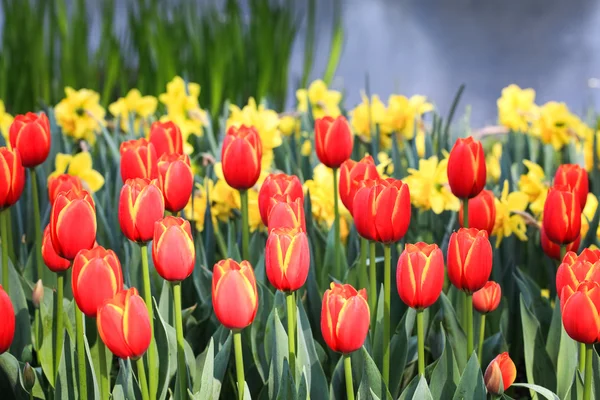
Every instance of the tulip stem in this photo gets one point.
(38, 223)
(4, 215)
(363, 275)
(142, 378)
(59, 336)
(465, 205)
(291, 322)
(563, 253)
(373, 282)
(245, 227)
(152, 371)
(582, 357)
(336, 225)
(81, 353)
(239, 364)
(181, 366)
(469, 311)
(421, 342)
(104, 383)
(348, 373)
(587, 389)
(481, 338)
(387, 282)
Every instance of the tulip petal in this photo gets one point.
(136, 326)
(233, 300)
(352, 325)
(110, 327)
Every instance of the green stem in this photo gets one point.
(291, 321)
(387, 283)
(481, 338)
(563, 252)
(373, 282)
(152, 371)
(348, 372)
(81, 353)
(239, 364)
(220, 240)
(363, 275)
(181, 367)
(142, 378)
(245, 226)
(465, 205)
(469, 311)
(104, 383)
(59, 334)
(582, 359)
(4, 236)
(38, 329)
(421, 342)
(336, 226)
(587, 390)
(38, 223)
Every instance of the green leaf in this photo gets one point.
(446, 375)
(67, 383)
(538, 389)
(308, 359)
(258, 331)
(400, 345)
(566, 364)
(371, 377)
(124, 385)
(417, 390)
(22, 320)
(471, 386)
(11, 377)
(456, 336)
(46, 353)
(206, 360)
(554, 334)
(167, 352)
(279, 353)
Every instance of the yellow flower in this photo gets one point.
(545, 293)
(133, 105)
(403, 113)
(195, 210)
(493, 163)
(429, 186)
(5, 121)
(80, 114)
(534, 186)
(366, 115)
(385, 165)
(508, 221)
(323, 101)
(306, 148)
(288, 124)
(589, 211)
(516, 108)
(79, 165)
(554, 125)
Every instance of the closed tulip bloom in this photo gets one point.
(482, 212)
(576, 178)
(466, 168)
(97, 277)
(138, 160)
(62, 184)
(124, 325)
(175, 180)
(173, 249)
(287, 258)
(382, 210)
(166, 138)
(281, 185)
(30, 134)
(574, 270)
(234, 294)
(469, 259)
(241, 157)
(562, 215)
(141, 204)
(13, 177)
(501, 368)
(552, 249)
(7, 327)
(344, 318)
(333, 140)
(73, 223)
(352, 173)
(581, 313)
(53, 261)
(420, 275)
(286, 213)
(487, 299)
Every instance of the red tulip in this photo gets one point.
(287, 258)
(482, 212)
(487, 299)
(166, 138)
(138, 160)
(53, 261)
(241, 156)
(344, 318)
(575, 178)
(173, 249)
(562, 215)
(7, 327)
(30, 134)
(581, 313)
(469, 259)
(574, 270)
(552, 249)
(420, 275)
(73, 223)
(62, 184)
(281, 185)
(352, 174)
(466, 168)
(234, 294)
(141, 204)
(175, 180)
(13, 177)
(286, 214)
(333, 140)
(501, 367)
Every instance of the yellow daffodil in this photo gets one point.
(288, 125)
(80, 114)
(554, 125)
(534, 186)
(306, 148)
(516, 108)
(366, 115)
(385, 165)
(5, 121)
(195, 210)
(135, 106)
(323, 101)
(79, 165)
(492, 162)
(508, 219)
(405, 115)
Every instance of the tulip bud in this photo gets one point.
(576, 179)
(13, 177)
(37, 296)
(487, 299)
(281, 185)
(352, 174)
(562, 215)
(576, 269)
(501, 368)
(469, 259)
(73, 223)
(234, 294)
(552, 249)
(384, 210)
(344, 318)
(138, 160)
(28, 377)
(420, 275)
(53, 261)
(62, 184)
(124, 325)
(287, 258)
(286, 213)
(466, 168)
(30, 134)
(241, 157)
(581, 312)
(7, 327)
(166, 138)
(482, 212)
(175, 180)
(173, 249)
(97, 277)
(333, 140)
(141, 204)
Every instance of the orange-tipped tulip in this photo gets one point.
(575, 178)
(241, 156)
(53, 261)
(562, 215)
(175, 180)
(581, 313)
(502, 368)
(30, 134)
(420, 275)
(469, 259)
(576, 269)
(487, 299)
(124, 325)
(97, 277)
(466, 168)
(280, 185)
(7, 327)
(287, 258)
(166, 138)
(333, 140)
(384, 214)
(141, 204)
(73, 223)
(234, 294)
(138, 160)
(13, 177)
(344, 318)
(286, 214)
(552, 249)
(173, 249)
(352, 174)
(482, 212)
(62, 184)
